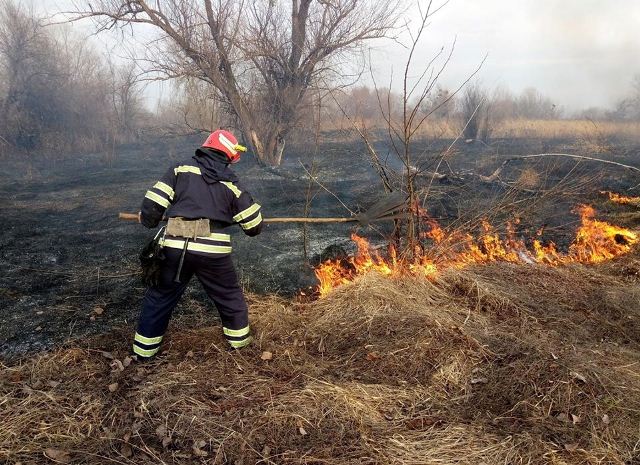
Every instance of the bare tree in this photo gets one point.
(27, 66)
(416, 106)
(125, 95)
(629, 107)
(474, 112)
(532, 104)
(126, 98)
(261, 56)
(438, 103)
(57, 92)
(201, 107)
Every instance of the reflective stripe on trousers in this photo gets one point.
(217, 275)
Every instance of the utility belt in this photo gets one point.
(195, 236)
(191, 229)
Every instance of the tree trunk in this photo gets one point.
(275, 150)
(269, 150)
(256, 143)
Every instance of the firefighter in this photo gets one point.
(200, 197)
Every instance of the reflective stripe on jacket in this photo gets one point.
(202, 187)
(218, 244)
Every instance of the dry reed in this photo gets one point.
(497, 364)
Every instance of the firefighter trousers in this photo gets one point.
(220, 282)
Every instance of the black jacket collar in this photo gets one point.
(214, 165)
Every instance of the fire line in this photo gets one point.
(595, 241)
(622, 199)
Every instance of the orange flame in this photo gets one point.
(595, 242)
(621, 199)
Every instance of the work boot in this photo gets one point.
(138, 359)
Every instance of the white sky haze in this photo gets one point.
(580, 53)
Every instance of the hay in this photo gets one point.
(496, 364)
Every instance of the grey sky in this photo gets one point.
(580, 53)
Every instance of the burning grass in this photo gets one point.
(500, 363)
(595, 241)
(622, 199)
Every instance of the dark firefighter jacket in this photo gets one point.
(202, 187)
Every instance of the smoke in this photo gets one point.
(592, 48)
(581, 53)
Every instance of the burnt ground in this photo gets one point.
(64, 253)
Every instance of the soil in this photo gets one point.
(70, 269)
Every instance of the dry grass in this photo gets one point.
(594, 135)
(529, 178)
(501, 364)
(552, 129)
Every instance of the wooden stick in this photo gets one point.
(134, 217)
(309, 220)
(386, 216)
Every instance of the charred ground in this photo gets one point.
(70, 266)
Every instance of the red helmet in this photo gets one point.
(226, 143)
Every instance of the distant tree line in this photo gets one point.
(265, 79)
(626, 109)
(529, 104)
(476, 110)
(57, 93)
